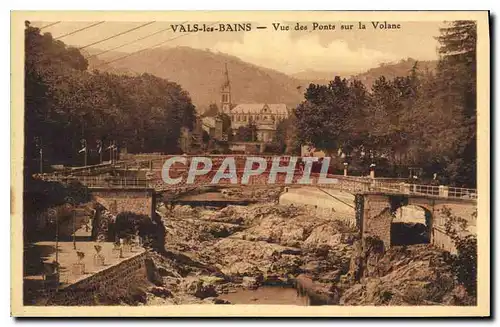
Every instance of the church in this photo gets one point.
(265, 116)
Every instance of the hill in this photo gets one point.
(319, 77)
(392, 70)
(201, 73)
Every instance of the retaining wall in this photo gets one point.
(121, 276)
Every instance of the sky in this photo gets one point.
(287, 51)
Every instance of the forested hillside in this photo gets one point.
(201, 73)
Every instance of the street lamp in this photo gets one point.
(83, 142)
(54, 218)
(111, 148)
(372, 170)
(99, 149)
(38, 145)
(71, 201)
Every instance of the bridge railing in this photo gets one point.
(342, 183)
(459, 192)
(101, 181)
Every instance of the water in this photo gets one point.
(266, 295)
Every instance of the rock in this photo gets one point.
(250, 283)
(215, 300)
(167, 272)
(260, 257)
(199, 289)
(161, 292)
(263, 244)
(324, 235)
(404, 277)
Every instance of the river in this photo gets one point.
(265, 295)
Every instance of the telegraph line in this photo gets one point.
(138, 51)
(131, 42)
(78, 30)
(49, 25)
(116, 35)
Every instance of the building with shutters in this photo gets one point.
(265, 116)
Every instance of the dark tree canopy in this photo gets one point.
(64, 103)
(420, 119)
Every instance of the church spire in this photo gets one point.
(226, 92)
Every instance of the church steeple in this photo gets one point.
(226, 93)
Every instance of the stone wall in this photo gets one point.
(441, 240)
(140, 201)
(326, 204)
(120, 276)
(377, 218)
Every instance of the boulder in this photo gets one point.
(199, 289)
(250, 282)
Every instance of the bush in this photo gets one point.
(464, 263)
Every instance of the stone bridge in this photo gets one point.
(375, 199)
(375, 213)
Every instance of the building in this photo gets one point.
(213, 126)
(265, 116)
(190, 140)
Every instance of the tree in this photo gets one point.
(321, 118)
(247, 133)
(212, 110)
(332, 117)
(457, 80)
(66, 103)
(226, 122)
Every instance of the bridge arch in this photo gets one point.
(411, 224)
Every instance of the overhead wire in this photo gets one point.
(148, 48)
(78, 30)
(49, 25)
(132, 42)
(115, 35)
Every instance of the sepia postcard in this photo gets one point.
(236, 164)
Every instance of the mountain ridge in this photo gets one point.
(201, 73)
